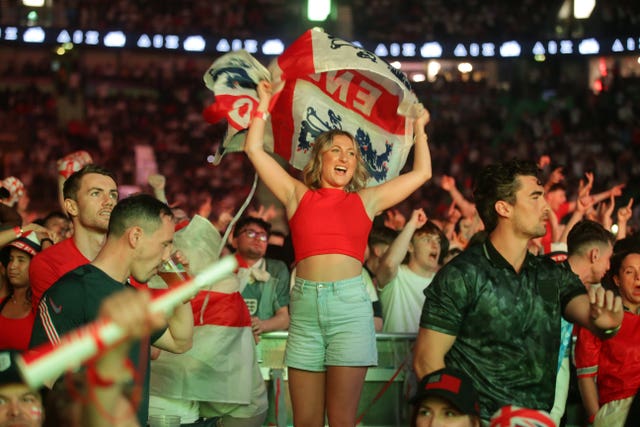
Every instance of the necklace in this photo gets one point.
(15, 301)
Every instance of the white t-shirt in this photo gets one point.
(402, 301)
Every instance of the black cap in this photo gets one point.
(9, 373)
(451, 385)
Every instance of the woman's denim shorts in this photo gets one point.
(331, 325)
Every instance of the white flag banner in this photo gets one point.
(320, 83)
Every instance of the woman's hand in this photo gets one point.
(422, 120)
(265, 90)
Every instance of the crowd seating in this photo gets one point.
(375, 20)
(109, 111)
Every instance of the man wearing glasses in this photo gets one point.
(264, 282)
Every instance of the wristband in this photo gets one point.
(46, 239)
(19, 231)
(592, 418)
(613, 331)
(264, 115)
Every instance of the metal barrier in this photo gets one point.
(383, 401)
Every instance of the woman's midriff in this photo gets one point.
(328, 268)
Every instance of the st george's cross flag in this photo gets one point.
(320, 83)
(221, 367)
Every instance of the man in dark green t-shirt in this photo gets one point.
(139, 238)
(494, 311)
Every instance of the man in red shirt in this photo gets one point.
(89, 197)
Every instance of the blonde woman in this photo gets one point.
(331, 335)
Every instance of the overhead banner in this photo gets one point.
(320, 83)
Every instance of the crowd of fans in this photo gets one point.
(586, 142)
(436, 19)
(244, 18)
(109, 111)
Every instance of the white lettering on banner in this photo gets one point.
(92, 37)
(366, 98)
(11, 33)
(488, 49)
(158, 41)
(78, 36)
(408, 49)
(631, 44)
(251, 46)
(63, 37)
(342, 83)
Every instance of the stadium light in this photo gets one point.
(465, 67)
(318, 10)
(432, 70)
(582, 8)
(33, 3)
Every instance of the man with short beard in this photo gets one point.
(139, 240)
(494, 311)
(89, 197)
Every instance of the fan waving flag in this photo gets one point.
(320, 83)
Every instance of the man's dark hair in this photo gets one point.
(278, 233)
(139, 210)
(478, 238)
(499, 182)
(586, 233)
(628, 243)
(72, 184)
(381, 234)
(246, 220)
(54, 215)
(557, 186)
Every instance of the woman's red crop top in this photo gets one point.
(327, 221)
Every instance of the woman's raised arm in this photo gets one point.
(392, 192)
(274, 176)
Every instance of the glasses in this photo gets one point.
(429, 238)
(262, 236)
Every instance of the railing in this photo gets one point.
(383, 401)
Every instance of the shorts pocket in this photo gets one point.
(352, 294)
(296, 293)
